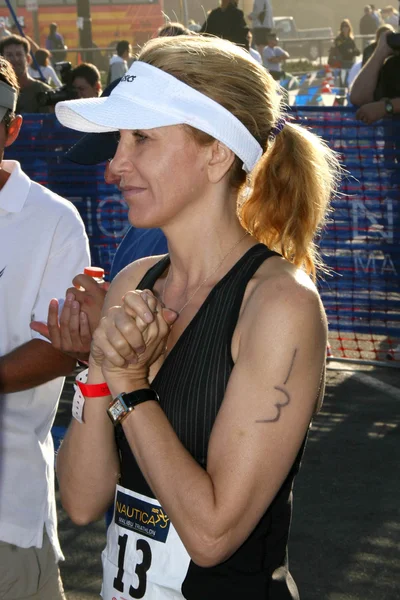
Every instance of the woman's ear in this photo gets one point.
(13, 130)
(221, 160)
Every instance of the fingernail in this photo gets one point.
(70, 297)
(133, 361)
(75, 305)
(144, 296)
(140, 350)
(148, 317)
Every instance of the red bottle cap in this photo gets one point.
(94, 272)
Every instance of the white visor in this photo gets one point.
(147, 97)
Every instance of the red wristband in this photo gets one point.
(96, 390)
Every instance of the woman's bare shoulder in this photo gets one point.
(280, 287)
(130, 277)
(277, 277)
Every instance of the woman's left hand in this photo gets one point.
(131, 337)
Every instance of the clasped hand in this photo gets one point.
(131, 337)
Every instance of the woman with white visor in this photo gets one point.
(208, 364)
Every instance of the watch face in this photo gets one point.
(389, 107)
(116, 410)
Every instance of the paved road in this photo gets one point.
(345, 541)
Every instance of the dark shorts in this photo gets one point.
(260, 35)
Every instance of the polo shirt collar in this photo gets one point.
(16, 189)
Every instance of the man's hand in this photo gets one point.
(71, 331)
(369, 113)
(90, 298)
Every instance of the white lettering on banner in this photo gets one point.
(116, 224)
(374, 264)
(380, 223)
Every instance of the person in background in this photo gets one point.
(368, 24)
(42, 246)
(390, 16)
(346, 50)
(243, 367)
(262, 21)
(17, 51)
(376, 90)
(86, 81)
(274, 56)
(119, 62)
(227, 22)
(369, 50)
(42, 57)
(253, 52)
(15, 30)
(4, 32)
(55, 43)
(377, 15)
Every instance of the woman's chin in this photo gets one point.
(141, 221)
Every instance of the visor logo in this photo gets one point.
(128, 78)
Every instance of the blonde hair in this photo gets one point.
(287, 197)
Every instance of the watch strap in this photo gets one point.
(125, 403)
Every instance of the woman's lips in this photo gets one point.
(131, 190)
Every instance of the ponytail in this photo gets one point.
(291, 190)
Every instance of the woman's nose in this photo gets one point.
(109, 176)
(120, 164)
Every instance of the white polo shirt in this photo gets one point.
(43, 245)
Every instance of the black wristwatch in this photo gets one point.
(124, 403)
(389, 109)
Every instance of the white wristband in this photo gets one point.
(79, 399)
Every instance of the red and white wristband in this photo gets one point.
(84, 390)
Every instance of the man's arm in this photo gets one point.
(365, 83)
(32, 364)
(374, 111)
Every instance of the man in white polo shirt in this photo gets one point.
(274, 56)
(43, 245)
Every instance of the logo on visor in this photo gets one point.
(128, 78)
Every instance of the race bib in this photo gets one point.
(144, 556)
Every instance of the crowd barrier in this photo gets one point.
(361, 243)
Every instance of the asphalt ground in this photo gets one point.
(345, 539)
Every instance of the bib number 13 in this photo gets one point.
(140, 570)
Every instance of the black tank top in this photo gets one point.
(191, 385)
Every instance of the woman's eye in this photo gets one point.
(139, 137)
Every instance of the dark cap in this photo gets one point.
(94, 148)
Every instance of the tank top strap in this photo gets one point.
(150, 277)
(242, 272)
